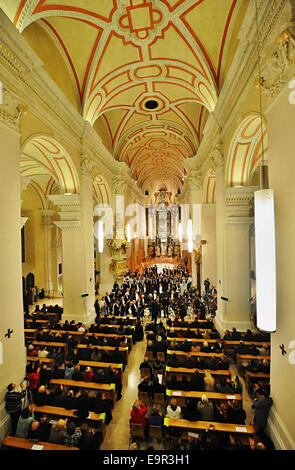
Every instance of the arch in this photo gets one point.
(248, 145)
(49, 167)
(209, 187)
(101, 190)
(30, 281)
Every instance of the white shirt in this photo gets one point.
(176, 414)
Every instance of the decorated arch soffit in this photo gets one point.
(151, 70)
(249, 144)
(48, 167)
(209, 187)
(101, 190)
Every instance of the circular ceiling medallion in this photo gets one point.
(151, 104)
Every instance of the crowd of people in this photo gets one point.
(167, 298)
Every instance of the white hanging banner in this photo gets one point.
(265, 260)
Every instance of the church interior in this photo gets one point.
(147, 238)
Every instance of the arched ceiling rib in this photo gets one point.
(122, 53)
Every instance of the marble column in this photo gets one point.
(209, 246)
(12, 346)
(88, 232)
(47, 226)
(237, 309)
(107, 277)
(194, 185)
(75, 304)
(221, 281)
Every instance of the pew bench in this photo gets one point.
(52, 344)
(30, 334)
(247, 357)
(108, 389)
(11, 442)
(59, 412)
(43, 360)
(124, 350)
(101, 365)
(180, 372)
(181, 396)
(257, 376)
(243, 431)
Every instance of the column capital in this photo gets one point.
(239, 204)
(119, 184)
(46, 215)
(11, 110)
(70, 213)
(24, 182)
(68, 225)
(86, 165)
(217, 157)
(65, 201)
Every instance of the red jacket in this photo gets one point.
(138, 417)
(33, 380)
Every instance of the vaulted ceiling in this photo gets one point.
(145, 73)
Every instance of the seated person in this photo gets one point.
(57, 430)
(43, 396)
(236, 414)
(223, 386)
(197, 382)
(24, 422)
(205, 409)
(156, 418)
(173, 410)
(144, 385)
(190, 411)
(72, 435)
(40, 430)
(138, 413)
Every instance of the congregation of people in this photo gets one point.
(179, 324)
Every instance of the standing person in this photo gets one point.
(207, 286)
(155, 310)
(13, 404)
(261, 405)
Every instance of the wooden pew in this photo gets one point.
(230, 346)
(108, 389)
(45, 360)
(25, 444)
(109, 348)
(40, 322)
(133, 319)
(101, 365)
(198, 353)
(247, 357)
(30, 334)
(181, 396)
(258, 376)
(195, 340)
(52, 344)
(110, 335)
(59, 412)
(180, 372)
(180, 328)
(242, 430)
(80, 333)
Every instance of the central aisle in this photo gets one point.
(117, 434)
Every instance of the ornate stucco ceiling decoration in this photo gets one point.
(122, 54)
(48, 167)
(248, 146)
(101, 191)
